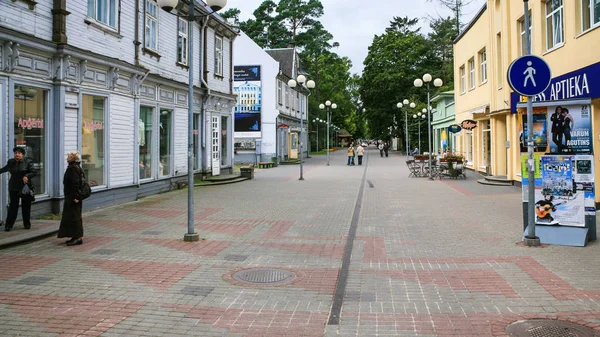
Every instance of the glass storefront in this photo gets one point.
(224, 140)
(145, 142)
(92, 139)
(30, 107)
(166, 157)
(196, 140)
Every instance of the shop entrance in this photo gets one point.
(293, 145)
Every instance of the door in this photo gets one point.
(293, 145)
(3, 154)
(216, 146)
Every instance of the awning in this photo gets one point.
(583, 101)
(479, 110)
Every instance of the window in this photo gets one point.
(92, 139)
(463, 85)
(523, 36)
(554, 23)
(145, 142)
(164, 142)
(104, 11)
(279, 91)
(486, 149)
(182, 41)
(483, 66)
(151, 35)
(499, 69)
(590, 13)
(218, 56)
(287, 97)
(30, 110)
(472, 73)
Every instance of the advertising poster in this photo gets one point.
(525, 174)
(558, 202)
(540, 130)
(583, 178)
(570, 129)
(247, 86)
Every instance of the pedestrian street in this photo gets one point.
(349, 251)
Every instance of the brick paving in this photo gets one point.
(430, 258)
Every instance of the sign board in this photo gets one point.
(246, 73)
(454, 128)
(529, 75)
(468, 124)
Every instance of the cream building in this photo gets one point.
(565, 33)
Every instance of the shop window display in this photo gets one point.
(92, 139)
(164, 167)
(145, 142)
(30, 107)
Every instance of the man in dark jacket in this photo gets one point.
(21, 171)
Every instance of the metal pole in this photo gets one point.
(300, 137)
(419, 134)
(406, 129)
(429, 133)
(530, 144)
(328, 121)
(191, 234)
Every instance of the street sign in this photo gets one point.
(529, 75)
(454, 128)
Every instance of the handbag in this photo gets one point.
(84, 188)
(27, 193)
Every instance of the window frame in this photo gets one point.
(171, 171)
(591, 13)
(149, 17)
(106, 144)
(469, 146)
(218, 54)
(463, 79)
(560, 12)
(279, 92)
(523, 37)
(153, 156)
(472, 73)
(183, 41)
(483, 66)
(92, 13)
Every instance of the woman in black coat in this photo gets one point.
(21, 171)
(71, 224)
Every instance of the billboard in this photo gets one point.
(248, 109)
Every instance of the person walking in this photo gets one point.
(21, 172)
(380, 147)
(360, 152)
(350, 154)
(71, 224)
(386, 148)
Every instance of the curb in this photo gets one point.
(29, 236)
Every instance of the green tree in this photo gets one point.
(441, 40)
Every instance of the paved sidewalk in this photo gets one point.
(427, 258)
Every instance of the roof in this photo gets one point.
(441, 95)
(285, 57)
(472, 23)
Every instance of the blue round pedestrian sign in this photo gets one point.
(529, 75)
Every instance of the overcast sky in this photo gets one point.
(353, 23)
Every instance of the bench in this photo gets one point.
(265, 164)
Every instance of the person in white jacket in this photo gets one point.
(360, 152)
(380, 147)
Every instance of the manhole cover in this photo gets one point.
(264, 276)
(549, 328)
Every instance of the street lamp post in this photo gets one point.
(310, 85)
(314, 121)
(405, 104)
(437, 83)
(419, 116)
(329, 106)
(168, 5)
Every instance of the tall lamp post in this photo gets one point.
(419, 116)
(168, 5)
(329, 106)
(315, 121)
(405, 104)
(301, 79)
(437, 83)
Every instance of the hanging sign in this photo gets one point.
(468, 124)
(454, 128)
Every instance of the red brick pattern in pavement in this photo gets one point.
(163, 213)
(201, 248)
(89, 242)
(154, 274)
(70, 316)
(477, 280)
(205, 213)
(481, 325)
(122, 225)
(225, 228)
(16, 265)
(278, 229)
(264, 323)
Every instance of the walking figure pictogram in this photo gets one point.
(530, 71)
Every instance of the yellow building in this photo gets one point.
(566, 34)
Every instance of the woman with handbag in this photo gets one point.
(71, 223)
(21, 171)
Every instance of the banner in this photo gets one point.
(248, 88)
(540, 130)
(570, 129)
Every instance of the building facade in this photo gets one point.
(564, 33)
(111, 82)
(443, 117)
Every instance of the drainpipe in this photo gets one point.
(137, 42)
